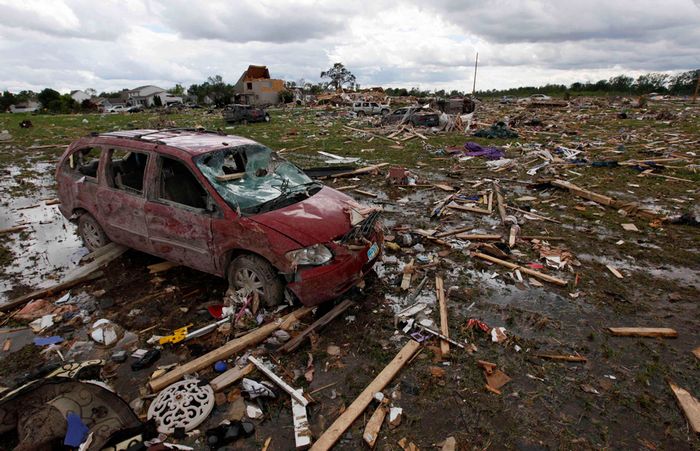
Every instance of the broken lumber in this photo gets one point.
(689, 404)
(236, 345)
(477, 237)
(370, 133)
(106, 256)
(360, 171)
(531, 272)
(501, 202)
(470, 209)
(14, 229)
(643, 332)
(444, 327)
(53, 289)
(365, 193)
(302, 433)
(601, 199)
(230, 376)
(162, 266)
(615, 272)
(294, 343)
(407, 274)
(345, 420)
(374, 425)
(453, 232)
(544, 218)
(565, 358)
(294, 393)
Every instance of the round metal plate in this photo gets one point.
(182, 404)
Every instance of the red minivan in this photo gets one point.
(221, 204)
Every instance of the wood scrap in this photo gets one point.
(469, 209)
(615, 272)
(643, 332)
(162, 266)
(370, 133)
(689, 404)
(365, 193)
(604, 200)
(536, 215)
(236, 345)
(295, 342)
(53, 289)
(14, 229)
(293, 392)
(407, 274)
(478, 237)
(444, 325)
(374, 425)
(360, 171)
(302, 433)
(500, 202)
(230, 376)
(531, 272)
(565, 358)
(345, 420)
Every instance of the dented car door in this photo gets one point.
(121, 197)
(179, 215)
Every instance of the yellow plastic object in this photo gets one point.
(177, 336)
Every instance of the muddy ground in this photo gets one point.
(618, 399)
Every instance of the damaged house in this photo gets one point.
(146, 96)
(255, 87)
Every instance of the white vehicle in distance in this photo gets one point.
(364, 108)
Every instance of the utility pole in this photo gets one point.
(476, 63)
(697, 87)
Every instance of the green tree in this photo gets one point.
(6, 99)
(178, 90)
(339, 76)
(50, 99)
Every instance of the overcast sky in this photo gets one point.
(109, 45)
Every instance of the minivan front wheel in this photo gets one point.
(91, 232)
(250, 273)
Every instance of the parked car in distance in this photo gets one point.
(539, 97)
(370, 108)
(415, 116)
(508, 99)
(221, 204)
(135, 109)
(244, 114)
(117, 109)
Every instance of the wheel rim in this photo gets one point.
(91, 234)
(248, 280)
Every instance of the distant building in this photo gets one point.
(80, 96)
(29, 106)
(255, 87)
(145, 95)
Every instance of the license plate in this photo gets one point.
(372, 251)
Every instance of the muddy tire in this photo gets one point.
(91, 232)
(360, 114)
(255, 273)
(385, 112)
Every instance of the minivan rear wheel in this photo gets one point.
(250, 273)
(91, 232)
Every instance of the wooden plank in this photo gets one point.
(469, 209)
(236, 345)
(293, 392)
(643, 332)
(106, 257)
(162, 266)
(565, 358)
(615, 272)
(53, 289)
(544, 218)
(407, 274)
(444, 325)
(478, 237)
(374, 425)
(501, 202)
(302, 433)
(295, 342)
(230, 377)
(345, 420)
(601, 199)
(532, 272)
(453, 232)
(14, 229)
(689, 404)
(365, 193)
(359, 171)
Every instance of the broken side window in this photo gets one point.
(252, 179)
(125, 170)
(85, 162)
(177, 184)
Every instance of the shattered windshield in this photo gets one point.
(253, 179)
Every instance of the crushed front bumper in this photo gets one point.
(314, 285)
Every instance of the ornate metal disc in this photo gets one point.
(182, 404)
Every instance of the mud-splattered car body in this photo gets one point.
(203, 199)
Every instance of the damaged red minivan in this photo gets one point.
(221, 204)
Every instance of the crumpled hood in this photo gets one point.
(318, 219)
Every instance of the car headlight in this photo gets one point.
(317, 254)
